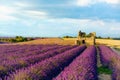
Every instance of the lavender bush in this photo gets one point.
(48, 68)
(110, 59)
(7, 67)
(82, 68)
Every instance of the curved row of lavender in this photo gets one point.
(82, 68)
(13, 48)
(48, 68)
(10, 56)
(13, 57)
(111, 59)
(10, 66)
(32, 50)
(9, 53)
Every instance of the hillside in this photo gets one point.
(50, 41)
(71, 41)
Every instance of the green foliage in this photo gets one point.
(68, 37)
(88, 35)
(83, 34)
(104, 70)
(99, 37)
(19, 39)
(16, 39)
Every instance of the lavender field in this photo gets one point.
(56, 62)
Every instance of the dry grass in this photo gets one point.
(109, 42)
(50, 41)
(71, 41)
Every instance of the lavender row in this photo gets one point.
(16, 61)
(13, 48)
(111, 59)
(82, 68)
(48, 68)
(17, 54)
(6, 49)
(10, 66)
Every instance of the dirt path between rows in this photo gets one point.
(102, 76)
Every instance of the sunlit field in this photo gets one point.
(59, 39)
(71, 41)
(59, 59)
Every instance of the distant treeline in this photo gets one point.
(97, 37)
(116, 38)
(15, 39)
(68, 37)
(83, 35)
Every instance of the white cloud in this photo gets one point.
(6, 10)
(115, 28)
(97, 22)
(6, 13)
(79, 21)
(7, 18)
(80, 24)
(83, 3)
(111, 1)
(87, 24)
(22, 4)
(35, 14)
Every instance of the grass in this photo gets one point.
(109, 42)
(71, 41)
(50, 41)
(104, 70)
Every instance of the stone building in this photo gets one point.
(82, 39)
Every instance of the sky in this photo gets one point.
(55, 18)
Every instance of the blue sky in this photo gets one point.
(52, 18)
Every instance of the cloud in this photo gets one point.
(87, 25)
(7, 18)
(6, 13)
(79, 21)
(21, 4)
(84, 3)
(6, 10)
(35, 14)
(68, 25)
(115, 28)
(63, 17)
(111, 1)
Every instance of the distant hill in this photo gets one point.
(59, 41)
